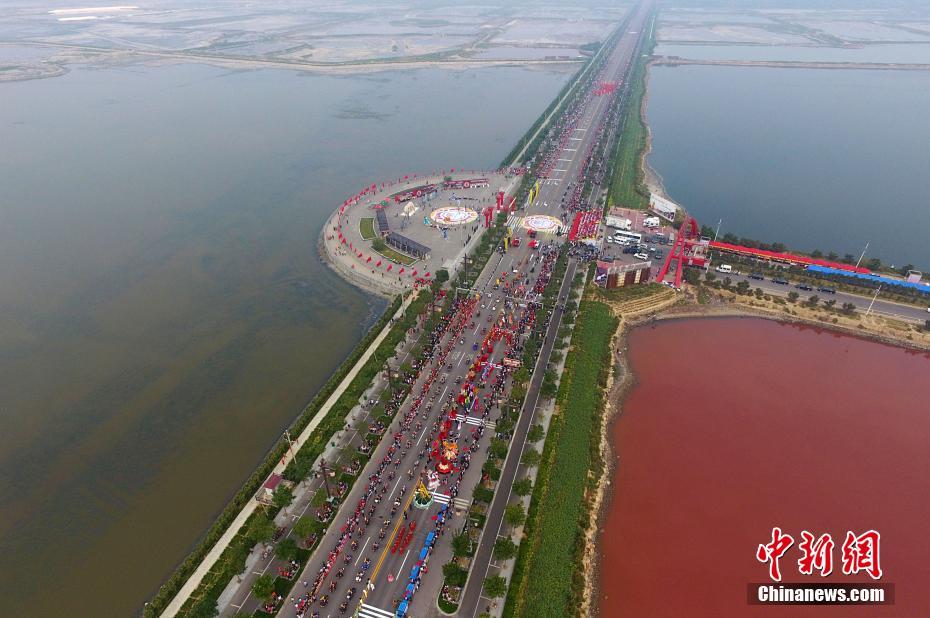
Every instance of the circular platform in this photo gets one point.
(453, 215)
(541, 223)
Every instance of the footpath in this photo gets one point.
(216, 551)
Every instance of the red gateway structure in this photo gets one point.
(786, 258)
(688, 250)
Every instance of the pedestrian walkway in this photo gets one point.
(459, 503)
(370, 611)
(216, 551)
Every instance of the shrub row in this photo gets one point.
(545, 574)
(246, 493)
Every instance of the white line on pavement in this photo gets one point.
(363, 551)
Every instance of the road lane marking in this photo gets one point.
(363, 551)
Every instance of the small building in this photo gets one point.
(615, 274)
(266, 492)
(667, 209)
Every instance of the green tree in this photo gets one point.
(709, 276)
(495, 587)
(514, 514)
(523, 487)
(849, 258)
(304, 527)
(792, 297)
(378, 245)
(813, 300)
(263, 586)
(817, 253)
(535, 433)
(830, 303)
(530, 457)
(286, 549)
(727, 282)
(848, 308)
(461, 544)
(548, 389)
(282, 496)
(498, 448)
(261, 529)
(692, 276)
(454, 574)
(504, 548)
(205, 608)
(742, 287)
(833, 256)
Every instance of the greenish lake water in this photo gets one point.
(827, 159)
(163, 311)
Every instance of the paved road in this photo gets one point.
(880, 307)
(388, 572)
(592, 117)
(470, 602)
(405, 528)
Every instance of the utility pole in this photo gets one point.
(869, 310)
(717, 231)
(862, 255)
(324, 470)
(290, 444)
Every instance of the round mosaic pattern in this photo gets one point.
(453, 215)
(541, 223)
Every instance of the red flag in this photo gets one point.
(369, 259)
(414, 274)
(426, 275)
(390, 266)
(402, 270)
(378, 264)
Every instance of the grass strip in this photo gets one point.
(366, 227)
(546, 580)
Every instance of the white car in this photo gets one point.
(610, 239)
(641, 256)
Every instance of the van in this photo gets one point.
(725, 268)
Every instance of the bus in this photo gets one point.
(636, 236)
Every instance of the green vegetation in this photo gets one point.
(504, 549)
(232, 561)
(366, 227)
(263, 586)
(380, 247)
(545, 579)
(495, 587)
(627, 178)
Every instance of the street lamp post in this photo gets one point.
(869, 310)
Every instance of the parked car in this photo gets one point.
(804, 286)
(724, 268)
(826, 289)
(757, 276)
(780, 281)
(642, 256)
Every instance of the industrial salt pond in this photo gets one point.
(738, 425)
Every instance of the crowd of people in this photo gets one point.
(485, 388)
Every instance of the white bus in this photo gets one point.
(631, 235)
